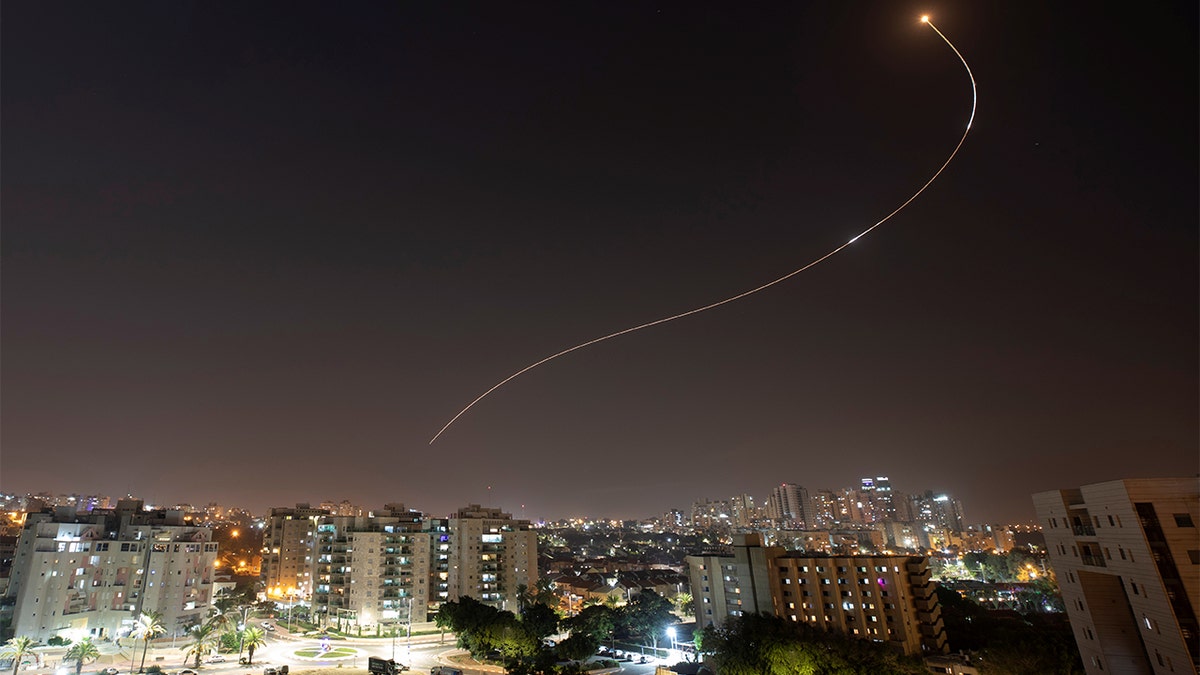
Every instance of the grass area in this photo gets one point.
(335, 653)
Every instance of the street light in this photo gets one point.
(671, 635)
(242, 630)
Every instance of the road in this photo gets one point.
(421, 654)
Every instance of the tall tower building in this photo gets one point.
(787, 504)
(1127, 557)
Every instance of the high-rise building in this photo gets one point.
(371, 569)
(938, 510)
(92, 574)
(490, 555)
(1127, 557)
(786, 504)
(287, 550)
(741, 511)
(823, 510)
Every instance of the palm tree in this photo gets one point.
(84, 651)
(203, 637)
(149, 625)
(253, 637)
(15, 649)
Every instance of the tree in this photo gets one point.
(684, 604)
(149, 626)
(540, 620)
(542, 592)
(253, 637)
(756, 644)
(577, 647)
(202, 640)
(648, 616)
(596, 621)
(16, 649)
(84, 651)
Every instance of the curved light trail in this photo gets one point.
(974, 98)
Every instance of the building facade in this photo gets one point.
(888, 599)
(287, 550)
(1127, 557)
(371, 570)
(488, 555)
(93, 574)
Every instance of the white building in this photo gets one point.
(93, 574)
(1127, 557)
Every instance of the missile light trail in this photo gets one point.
(974, 97)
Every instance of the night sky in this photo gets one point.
(260, 253)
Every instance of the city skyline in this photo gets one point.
(261, 252)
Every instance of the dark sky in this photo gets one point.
(260, 253)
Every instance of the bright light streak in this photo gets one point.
(739, 296)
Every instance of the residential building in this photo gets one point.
(786, 505)
(733, 581)
(1126, 554)
(371, 569)
(92, 574)
(888, 599)
(287, 550)
(938, 510)
(489, 555)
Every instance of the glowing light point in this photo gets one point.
(925, 19)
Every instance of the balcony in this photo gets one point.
(1084, 530)
(1093, 560)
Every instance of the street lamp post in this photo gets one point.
(242, 630)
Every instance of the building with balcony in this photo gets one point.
(371, 570)
(887, 599)
(93, 574)
(488, 555)
(287, 550)
(1127, 557)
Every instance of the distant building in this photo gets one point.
(786, 505)
(1127, 557)
(93, 574)
(938, 510)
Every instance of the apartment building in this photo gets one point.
(287, 550)
(732, 582)
(371, 569)
(888, 599)
(1127, 557)
(489, 554)
(93, 574)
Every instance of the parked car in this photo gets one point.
(188, 671)
(270, 670)
(215, 658)
(269, 626)
(109, 671)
